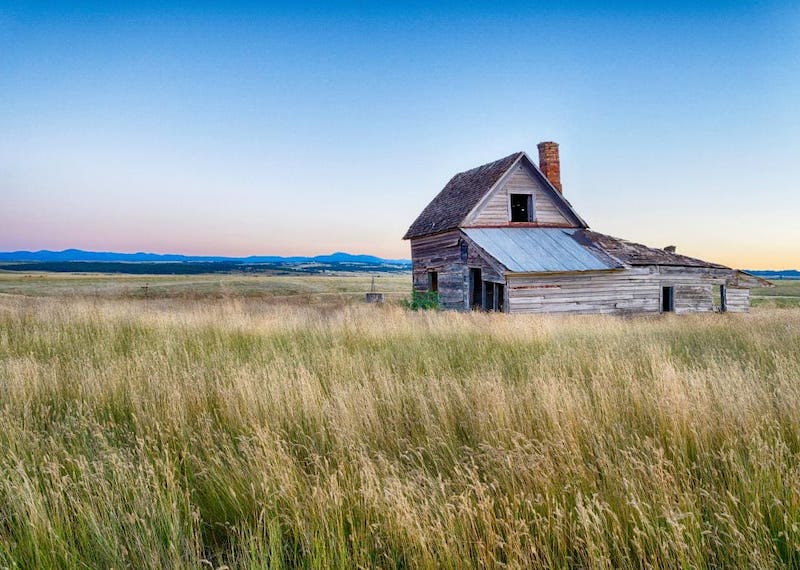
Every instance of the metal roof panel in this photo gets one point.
(537, 250)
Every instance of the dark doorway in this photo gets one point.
(499, 297)
(490, 298)
(521, 208)
(723, 298)
(476, 289)
(495, 296)
(667, 299)
(433, 281)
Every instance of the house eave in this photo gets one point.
(518, 225)
(409, 238)
(751, 280)
(559, 273)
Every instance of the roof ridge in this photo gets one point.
(516, 155)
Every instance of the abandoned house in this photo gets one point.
(502, 237)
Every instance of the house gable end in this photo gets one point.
(550, 209)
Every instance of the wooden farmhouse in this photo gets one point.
(502, 237)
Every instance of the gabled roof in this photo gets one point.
(540, 250)
(457, 199)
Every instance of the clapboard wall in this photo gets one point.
(626, 291)
(440, 253)
(738, 299)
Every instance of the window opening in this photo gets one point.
(476, 289)
(488, 303)
(521, 208)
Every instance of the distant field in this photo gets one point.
(293, 289)
(280, 422)
(316, 289)
(786, 293)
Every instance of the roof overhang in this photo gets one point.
(557, 273)
(749, 280)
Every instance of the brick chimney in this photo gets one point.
(549, 163)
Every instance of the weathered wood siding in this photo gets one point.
(635, 290)
(696, 288)
(632, 291)
(494, 209)
(489, 271)
(693, 297)
(738, 299)
(441, 253)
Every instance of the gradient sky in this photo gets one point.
(235, 129)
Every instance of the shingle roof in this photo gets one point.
(631, 253)
(459, 197)
(540, 250)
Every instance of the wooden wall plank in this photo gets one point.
(440, 253)
(635, 290)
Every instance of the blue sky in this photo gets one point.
(234, 128)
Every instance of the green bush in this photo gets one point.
(423, 300)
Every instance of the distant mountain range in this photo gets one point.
(338, 258)
(71, 255)
(771, 274)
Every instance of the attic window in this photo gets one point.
(521, 208)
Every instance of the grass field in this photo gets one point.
(280, 422)
(295, 289)
(786, 293)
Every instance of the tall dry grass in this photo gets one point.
(172, 435)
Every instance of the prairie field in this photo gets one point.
(785, 293)
(271, 422)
